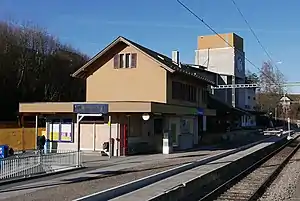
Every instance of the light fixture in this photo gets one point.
(146, 116)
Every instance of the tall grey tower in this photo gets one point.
(228, 60)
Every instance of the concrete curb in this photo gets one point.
(38, 176)
(140, 183)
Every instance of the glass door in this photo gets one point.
(174, 134)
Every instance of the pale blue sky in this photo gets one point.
(164, 25)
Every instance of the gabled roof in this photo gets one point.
(163, 60)
(294, 97)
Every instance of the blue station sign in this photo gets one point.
(82, 108)
(200, 111)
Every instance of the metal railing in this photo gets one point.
(21, 166)
(30, 152)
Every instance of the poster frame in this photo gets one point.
(61, 122)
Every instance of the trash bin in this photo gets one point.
(4, 151)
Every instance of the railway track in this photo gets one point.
(253, 182)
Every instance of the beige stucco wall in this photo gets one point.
(146, 82)
(88, 131)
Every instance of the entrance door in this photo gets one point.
(124, 139)
(87, 135)
(174, 134)
(200, 128)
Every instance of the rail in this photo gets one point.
(22, 166)
(213, 195)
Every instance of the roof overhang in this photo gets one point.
(113, 107)
(223, 107)
(241, 111)
(257, 112)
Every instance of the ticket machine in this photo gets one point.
(167, 143)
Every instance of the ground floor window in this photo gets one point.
(60, 130)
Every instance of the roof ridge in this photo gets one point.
(137, 44)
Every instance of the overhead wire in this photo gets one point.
(255, 35)
(214, 31)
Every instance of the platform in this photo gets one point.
(180, 180)
(113, 172)
(110, 174)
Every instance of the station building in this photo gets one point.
(133, 95)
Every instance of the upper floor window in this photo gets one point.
(204, 95)
(127, 60)
(184, 92)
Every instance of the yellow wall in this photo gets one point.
(19, 138)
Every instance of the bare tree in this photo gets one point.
(251, 77)
(271, 82)
(271, 79)
(35, 66)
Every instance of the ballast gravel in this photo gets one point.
(284, 186)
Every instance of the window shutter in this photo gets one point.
(133, 60)
(116, 61)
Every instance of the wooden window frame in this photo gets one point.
(184, 92)
(125, 60)
(121, 60)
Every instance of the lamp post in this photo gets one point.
(285, 101)
(289, 129)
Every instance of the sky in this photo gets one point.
(163, 25)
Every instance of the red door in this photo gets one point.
(124, 139)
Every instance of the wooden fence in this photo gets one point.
(17, 137)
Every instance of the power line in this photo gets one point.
(254, 34)
(208, 26)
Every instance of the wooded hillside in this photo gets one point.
(35, 66)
